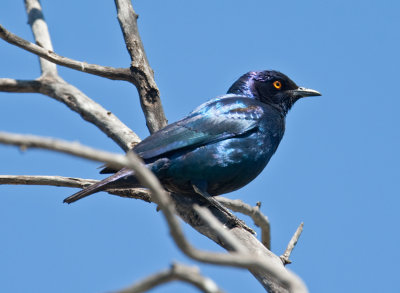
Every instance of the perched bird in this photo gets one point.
(219, 147)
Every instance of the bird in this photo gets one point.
(220, 146)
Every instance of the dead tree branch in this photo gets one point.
(45, 180)
(41, 33)
(179, 272)
(258, 264)
(138, 193)
(77, 101)
(292, 243)
(258, 217)
(53, 58)
(142, 74)
(50, 84)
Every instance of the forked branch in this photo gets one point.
(48, 54)
(264, 263)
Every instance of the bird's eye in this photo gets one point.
(277, 84)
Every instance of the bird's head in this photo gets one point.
(271, 87)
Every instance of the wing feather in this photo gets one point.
(213, 121)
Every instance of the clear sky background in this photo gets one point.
(337, 168)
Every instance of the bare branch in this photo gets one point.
(138, 193)
(40, 32)
(292, 243)
(139, 73)
(72, 148)
(258, 217)
(19, 86)
(264, 263)
(52, 85)
(219, 229)
(142, 74)
(179, 272)
(45, 180)
(264, 267)
(48, 54)
(77, 101)
(91, 111)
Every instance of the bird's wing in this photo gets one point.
(213, 121)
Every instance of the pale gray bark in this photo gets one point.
(179, 272)
(266, 266)
(143, 76)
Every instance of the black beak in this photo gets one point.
(304, 92)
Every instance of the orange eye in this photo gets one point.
(277, 84)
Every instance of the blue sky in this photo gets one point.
(337, 168)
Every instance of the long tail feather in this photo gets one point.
(119, 179)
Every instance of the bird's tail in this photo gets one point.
(119, 179)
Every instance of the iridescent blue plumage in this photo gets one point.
(222, 145)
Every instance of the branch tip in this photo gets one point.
(292, 243)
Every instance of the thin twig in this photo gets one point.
(48, 54)
(40, 32)
(292, 243)
(258, 217)
(142, 74)
(179, 272)
(263, 263)
(138, 193)
(45, 180)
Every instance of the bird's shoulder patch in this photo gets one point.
(251, 112)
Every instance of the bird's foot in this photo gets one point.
(232, 219)
(240, 223)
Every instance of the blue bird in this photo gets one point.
(220, 146)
